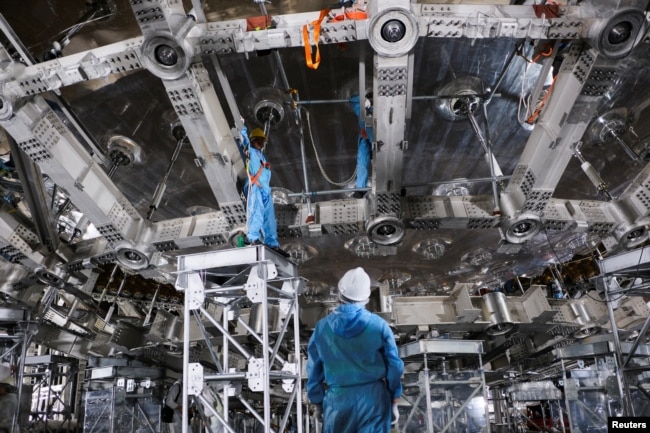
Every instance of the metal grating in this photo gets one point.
(32, 86)
(342, 229)
(12, 254)
(601, 228)
(536, 201)
(482, 223)
(146, 14)
(29, 236)
(110, 233)
(119, 217)
(170, 229)
(388, 203)
(583, 65)
(524, 178)
(558, 225)
(126, 62)
(185, 101)
(104, 258)
(600, 80)
(287, 215)
(213, 240)
(34, 150)
(165, 246)
(235, 214)
(392, 81)
(423, 224)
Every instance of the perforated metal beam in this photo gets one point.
(47, 141)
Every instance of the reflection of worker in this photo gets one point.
(261, 215)
(213, 400)
(174, 399)
(364, 140)
(8, 407)
(353, 367)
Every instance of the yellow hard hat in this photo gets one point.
(257, 133)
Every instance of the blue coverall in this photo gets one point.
(260, 211)
(365, 145)
(353, 352)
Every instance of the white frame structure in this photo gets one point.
(269, 282)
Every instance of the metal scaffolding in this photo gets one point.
(245, 303)
(445, 399)
(626, 284)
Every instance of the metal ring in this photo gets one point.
(377, 32)
(165, 57)
(386, 230)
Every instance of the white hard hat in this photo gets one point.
(355, 285)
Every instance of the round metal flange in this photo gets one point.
(431, 249)
(605, 128)
(6, 108)
(267, 110)
(385, 230)
(631, 236)
(132, 258)
(586, 331)
(521, 228)
(499, 329)
(165, 57)
(48, 277)
(300, 252)
(459, 97)
(617, 36)
(361, 246)
(282, 196)
(123, 149)
(393, 32)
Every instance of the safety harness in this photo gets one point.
(253, 179)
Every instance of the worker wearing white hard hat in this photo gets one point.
(353, 367)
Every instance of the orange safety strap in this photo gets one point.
(313, 64)
(253, 179)
(351, 15)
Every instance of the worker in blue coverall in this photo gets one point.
(353, 368)
(364, 141)
(260, 211)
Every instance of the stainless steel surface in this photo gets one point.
(510, 161)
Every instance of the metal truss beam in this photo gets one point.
(42, 135)
(437, 21)
(270, 285)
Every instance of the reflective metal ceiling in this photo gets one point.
(549, 97)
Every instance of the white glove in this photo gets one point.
(395, 414)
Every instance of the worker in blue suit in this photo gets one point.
(364, 140)
(262, 226)
(353, 368)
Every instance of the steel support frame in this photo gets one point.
(47, 391)
(436, 349)
(628, 264)
(271, 282)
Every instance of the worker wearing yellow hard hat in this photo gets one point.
(261, 223)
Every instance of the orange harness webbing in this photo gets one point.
(253, 179)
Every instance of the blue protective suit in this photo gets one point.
(353, 353)
(364, 145)
(260, 210)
